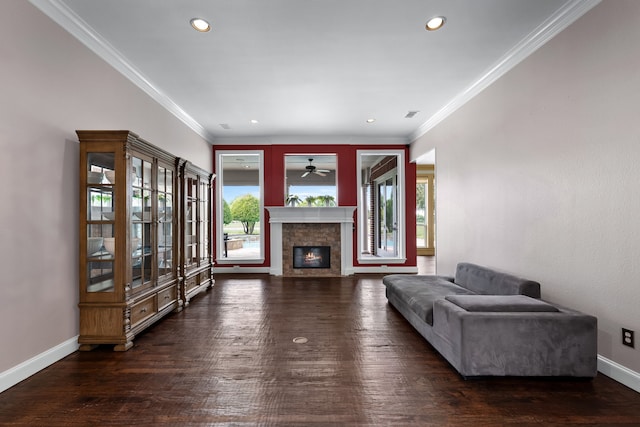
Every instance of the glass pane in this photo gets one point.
(240, 181)
(136, 173)
(161, 179)
(168, 203)
(169, 181)
(141, 205)
(137, 251)
(100, 250)
(140, 253)
(101, 203)
(100, 168)
(96, 235)
(380, 205)
(310, 180)
(190, 241)
(100, 276)
(100, 177)
(146, 174)
(162, 208)
(386, 218)
(165, 248)
(421, 215)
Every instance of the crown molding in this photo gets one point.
(560, 20)
(67, 19)
(310, 140)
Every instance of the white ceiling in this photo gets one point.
(313, 68)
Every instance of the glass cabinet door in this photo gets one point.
(191, 223)
(141, 223)
(100, 222)
(204, 220)
(165, 221)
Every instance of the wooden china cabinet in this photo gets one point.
(196, 258)
(128, 243)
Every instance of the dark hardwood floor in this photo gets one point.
(229, 358)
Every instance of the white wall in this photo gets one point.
(51, 85)
(540, 174)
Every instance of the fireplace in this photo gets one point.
(311, 226)
(312, 257)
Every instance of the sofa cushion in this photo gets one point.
(419, 292)
(500, 303)
(482, 280)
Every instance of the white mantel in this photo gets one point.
(342, 215)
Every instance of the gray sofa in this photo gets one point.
(488, 323)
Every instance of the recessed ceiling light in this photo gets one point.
(200, 24)
(254, 122)
(371, 120)
(435, 23)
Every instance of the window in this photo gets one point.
(239, 204)
(381, 206)
(310, 180)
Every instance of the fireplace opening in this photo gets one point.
(312, 257)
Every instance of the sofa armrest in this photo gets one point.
(562, 343)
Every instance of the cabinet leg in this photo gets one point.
(123, 347)
(87, 347)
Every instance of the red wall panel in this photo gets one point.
(347, 191)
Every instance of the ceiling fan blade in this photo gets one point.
(324, 170)
(319, 173)
(305, 174)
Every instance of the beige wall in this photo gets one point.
(51, 85)
(540, 174)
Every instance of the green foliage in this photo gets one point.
(420, 195)
(326, 200)
(246, 210)
(226, 216)
(293, 200)
(310, 200)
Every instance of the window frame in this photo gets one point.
(361, 231)
(220, 259)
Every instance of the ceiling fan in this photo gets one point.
(310, 168)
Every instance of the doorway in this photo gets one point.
(425, 210)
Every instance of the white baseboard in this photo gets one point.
(619, 373)
(24, 370)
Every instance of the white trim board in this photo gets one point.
(619, 373)
(24, 370)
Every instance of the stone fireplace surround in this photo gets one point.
(311, 226)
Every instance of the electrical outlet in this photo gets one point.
(627, 338)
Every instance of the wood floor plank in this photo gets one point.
(230, 359)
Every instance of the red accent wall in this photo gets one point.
(347, 191)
